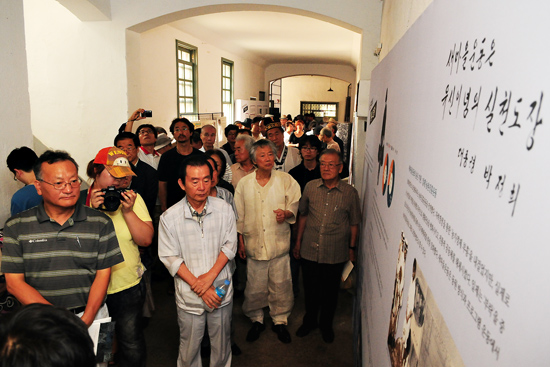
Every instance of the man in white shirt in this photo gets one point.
(287, 157)
(197, 239)
(267, 203)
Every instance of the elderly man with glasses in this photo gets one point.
(327, 234)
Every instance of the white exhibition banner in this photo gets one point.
(453, 242)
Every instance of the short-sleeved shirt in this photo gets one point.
(183, 240)
(330, 213)
(60, 261)
(25, 198)
(290, 158)
(151, 159)
(168, 170)
(239, 173)
(264, 238)
(146, 183)
(302, 175)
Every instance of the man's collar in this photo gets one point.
(338, 185)
(187, 207)
(78, 215)
(155, 153)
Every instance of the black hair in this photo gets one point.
(51, 157)
(127, 135)
(194, 161)
(257, 119)
(221, 171)
(21, 158)
(145, 126)
(196, 136)
(312, 140)
(244, 131)
(185, 121)
(47, 336)
(160, 130)
(230, 128)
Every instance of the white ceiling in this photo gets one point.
(273, 38)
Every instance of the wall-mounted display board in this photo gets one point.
(454, 243)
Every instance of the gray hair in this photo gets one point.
(326, 132)
(248, 141)
(332, 151)
(261, 144)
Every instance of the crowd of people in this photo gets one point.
(267, 203)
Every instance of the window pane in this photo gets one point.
(189, 105)
(181, 90)
(188, 72)
(188, 89)
(185, 56)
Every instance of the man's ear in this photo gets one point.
(180, 182)
(38, 187)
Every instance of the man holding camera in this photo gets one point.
(60, 252)
(147, 134)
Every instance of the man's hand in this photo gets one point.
(203, 283)
(296, 250)
(136, 115)
(281, 215)
(351, 255)
(242, 252)
(211, 298)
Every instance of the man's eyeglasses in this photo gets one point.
(309, 148)
(181, 129)
(144, 131)
(330, 165)
(62, 185)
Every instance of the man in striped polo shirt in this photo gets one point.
(60, 252)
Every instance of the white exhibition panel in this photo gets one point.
(466, 141)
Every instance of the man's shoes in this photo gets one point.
(282, 333)
(305, 330)
(255, 331)
(328, 335)
(235, 350)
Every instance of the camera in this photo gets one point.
(112, 198)
(147, 113)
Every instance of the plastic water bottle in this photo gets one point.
(221, 291)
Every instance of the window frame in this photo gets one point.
(193, 57)
(227, 104)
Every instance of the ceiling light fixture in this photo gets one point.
(330, 87)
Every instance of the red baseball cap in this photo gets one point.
(115, 161)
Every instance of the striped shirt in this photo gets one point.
(330, 213)
(60, 261)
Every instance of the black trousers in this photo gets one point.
(321, 287)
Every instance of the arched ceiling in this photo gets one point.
(275, 37)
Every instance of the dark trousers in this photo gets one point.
(126, 309)
(321, 287)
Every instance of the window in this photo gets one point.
(187, 79)
(227, 90)
(320, 109)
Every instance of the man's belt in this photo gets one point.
(78, 310)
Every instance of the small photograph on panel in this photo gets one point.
(425, 339)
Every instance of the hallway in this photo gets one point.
(162, 336)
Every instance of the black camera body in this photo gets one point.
(112, 198)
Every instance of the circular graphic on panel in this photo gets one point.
(385, 175)
(391, 182)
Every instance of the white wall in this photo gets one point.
(14, 97)
(312, 88)
(156, 74)
(77, 79)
